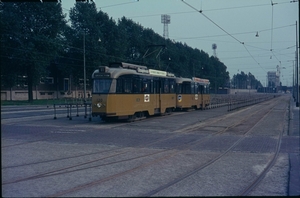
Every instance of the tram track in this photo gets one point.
(205, 165)
(257, 181)
(170, 153)
(24, 143)
(67, 170)
(191, 172)
(57, 159)
(97, 182)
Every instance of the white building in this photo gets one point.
(273, 79)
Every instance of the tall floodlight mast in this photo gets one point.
(214, 47)
(165, 19)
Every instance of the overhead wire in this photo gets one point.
(201, 12)
(238, 33)
(236, 7)
(118, 4)
(227, 33)
(231, 35)
(209, 10)
(272, 33)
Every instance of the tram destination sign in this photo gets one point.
(102, 75)
(157, 72)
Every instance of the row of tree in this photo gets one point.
(245, 81)
(38, 41)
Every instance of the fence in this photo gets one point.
(70, 106)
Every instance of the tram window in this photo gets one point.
(127, 85)
(200, 89)
(136, 86)
(119, 85)
(172, 86)
(101, 85)
(183, 88)
(206, 89)
(166, 86)
(156, 86)
(166, 89)
(179, 88)
(151, 86)
(159, 87)
(186, 88)
(124, 85)
(192, 88)
(146, 86)
(197, 88)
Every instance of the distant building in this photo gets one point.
(48, 88)
(273, 79)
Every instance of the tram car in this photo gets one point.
(128, 91)
(192, 93)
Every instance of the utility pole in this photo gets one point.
(297, 68)
(84, 72)
(293, 90)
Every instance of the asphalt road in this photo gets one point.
(197, 153)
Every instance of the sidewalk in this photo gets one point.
(294, 177)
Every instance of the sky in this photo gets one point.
(230, 24)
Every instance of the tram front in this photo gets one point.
(102, 86)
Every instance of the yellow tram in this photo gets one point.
(192, 93)
(128, 91)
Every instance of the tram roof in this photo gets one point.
(181, 80)
(200, 81)
(117, 69)
(126, 65)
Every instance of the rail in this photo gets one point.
(239, 102)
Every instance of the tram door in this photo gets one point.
(157, 95)
(201, 88)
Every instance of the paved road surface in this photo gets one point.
(197, 153)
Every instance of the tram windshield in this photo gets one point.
(101, 86)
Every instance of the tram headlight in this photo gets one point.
(99, 105)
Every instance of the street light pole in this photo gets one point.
(84, 72)
(297, 68)
(294, 80)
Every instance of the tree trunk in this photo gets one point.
(30, 83)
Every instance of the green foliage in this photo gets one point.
(244, 81)
(37, 41)
(30, 35)
(84, 35)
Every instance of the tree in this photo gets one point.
(133, 40)
(37, 41)
(242, 81)
(30, 38)
(85, 39)
(111, 38)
